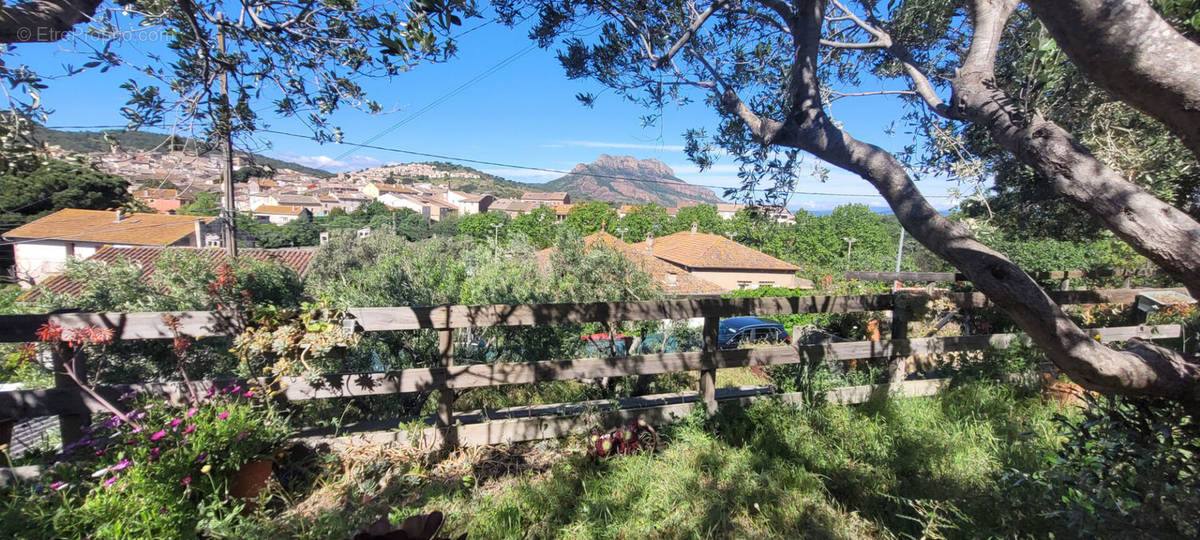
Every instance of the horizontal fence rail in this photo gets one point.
(199, 324)
(955, 276)
(73, 405)
(19, 404)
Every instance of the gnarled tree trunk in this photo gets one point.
(1125, 47)
(43, 20)
(1141, 370)
(1165, 235)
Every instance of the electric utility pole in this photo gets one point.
(225, 127)
(900, 250)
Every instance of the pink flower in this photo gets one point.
(223, 415)
(101, 452)
(121, 465)
(186, 480)
(154, 454)
(111, 480)
(176, 422)
(249, 393)
(211, 390)
(192, 412)
(242, 435)
(139, 416)
(203, 455)
(161, 433)
(189, 429)
(58, 485)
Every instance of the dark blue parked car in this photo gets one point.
(743, 331)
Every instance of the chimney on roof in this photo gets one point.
(324, 237)
(120, 215)
(200, 238)
(694, 227)
(650, 243)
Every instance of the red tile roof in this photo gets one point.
(702, 250)
(102, 227)
(672, 279)
(297, 259)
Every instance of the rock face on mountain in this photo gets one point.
(625, 179)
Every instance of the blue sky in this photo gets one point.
(523, 114)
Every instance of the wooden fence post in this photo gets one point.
(898, 363)
(70, 426)
(445, 407)
(708, 377)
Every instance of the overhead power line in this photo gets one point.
(445, 97)
(565, 172)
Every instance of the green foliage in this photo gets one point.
(590, 217)
(537, 226)
(206, 203)
(54, 185)
(887, 469)
(181, 282)
(122, 482)
(1127, 467)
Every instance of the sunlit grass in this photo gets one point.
(882, 469)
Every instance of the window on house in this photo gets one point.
(745, 284)
(766, 284)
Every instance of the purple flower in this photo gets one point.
(242, 435)
(111, 480)
(186, 480)
(161, 433)
(192, 412)
(211, 390)
(175, 423)
(139, 416)
(203, 455)
(223, 415)
(154, 454)
(128, 395)
(121, 465)
(189, 429)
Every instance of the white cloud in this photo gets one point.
(351, 163)
(610, 144)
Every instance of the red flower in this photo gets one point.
(182, 344)
(50, 331)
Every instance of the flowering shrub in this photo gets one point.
(152, 480)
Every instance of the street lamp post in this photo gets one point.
(850, 240)
(496, 237)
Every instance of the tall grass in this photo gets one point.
(890, 468)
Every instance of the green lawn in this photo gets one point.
(894, 468)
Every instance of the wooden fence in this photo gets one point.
(72, 404)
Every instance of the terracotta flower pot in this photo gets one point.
(251, 479)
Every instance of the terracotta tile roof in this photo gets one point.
(672, 279)
(297, 259)
(278, 210)
(154, 193)
(513, 205)
(563, 209)
(288, 199)
(701, 250)
(541, 196)
(391, 188)
(101, 226)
